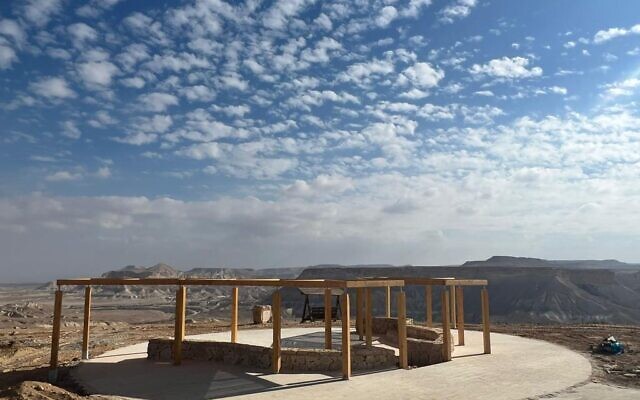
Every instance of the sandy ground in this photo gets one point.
(25, 329)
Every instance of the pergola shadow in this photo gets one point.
(146, 379)
(315, 340)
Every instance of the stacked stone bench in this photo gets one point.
(424, 345)
(259, 357)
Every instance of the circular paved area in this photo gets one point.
(519, 368)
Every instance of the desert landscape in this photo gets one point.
(131, 315)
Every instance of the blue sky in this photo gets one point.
(205, 133)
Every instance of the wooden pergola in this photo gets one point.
(452, 302)
(235, 284)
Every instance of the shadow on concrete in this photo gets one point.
(468, 355)
(147, 379)
(315, 340)
(122, 354)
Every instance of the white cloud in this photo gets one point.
(7, 56)
(63, 176)
(486, 93)
(175, 62)
(361, 72)
(322, 51)
(202, 151)
(318, 97)
(52, 87)
(414, 94)
(70, 130)
(81, 33)
(138, 138)
(39, 12)
(626, 87)
(234, 81)
(433, 112)
(386, 15)
(505, 67)
(158, 101)
(198, 93)
(458, 9)
(414, 7)
(201, 126)
(97, 74)
(60, 54)
(320, 186)
(94, 8)
(234, 110)
(612, 33)
(422, 75)
(12, 29)
(281, 12)
(558, 90)
(324, 22)
(103, 173)
(133, 82)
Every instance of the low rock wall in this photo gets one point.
(259, 357)
(424, 345)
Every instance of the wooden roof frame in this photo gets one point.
(297, 283)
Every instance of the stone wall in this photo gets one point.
(259, 357)
(424, 345)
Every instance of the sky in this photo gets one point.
(299, 132)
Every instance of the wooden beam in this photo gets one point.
(276, 359)
(178, 337)
(452, 306)
(346, 337)
(388, 302)
(234, 315)
(87, 321)
(460, 313)
(359, 312)
(402, 330)
(55, 336)
(371, 283)
(300, 283)
(467, 282)
(327, 318)
(428, 302)
(446, 332)
(427, 281)
(486, 329)
(369, 318)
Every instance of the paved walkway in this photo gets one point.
(519, 368)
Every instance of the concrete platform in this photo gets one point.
(519, 368)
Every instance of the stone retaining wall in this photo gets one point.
(259, 357)
(424, 345)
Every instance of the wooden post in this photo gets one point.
(359, 306)
(276, 360)
(55, 336)
(402, 330)
(87, 321)
(369, 318)
(327, 318)
(486, 330)
(234, 315)
(446, 332)
(346, 337)
(388, 302)
(428, 301)
(452, 306)
(178, 337)
(460, 313)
